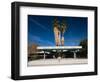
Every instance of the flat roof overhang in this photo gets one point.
(58, 47)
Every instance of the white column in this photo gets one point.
(44, 55)
(74, 55)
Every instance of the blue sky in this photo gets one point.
(40, 30)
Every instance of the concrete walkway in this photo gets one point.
(64, 61)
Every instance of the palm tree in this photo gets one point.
(63, 29)
(56, 31)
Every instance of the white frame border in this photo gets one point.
(24, 70)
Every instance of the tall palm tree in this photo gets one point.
(63, 29)
(56, 31)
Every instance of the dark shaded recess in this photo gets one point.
(83, 52)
